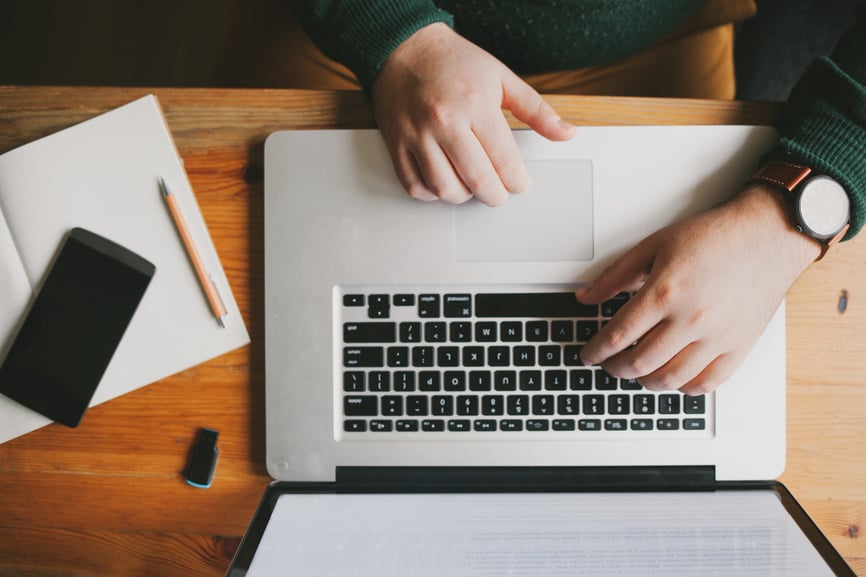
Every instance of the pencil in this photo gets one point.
(207, 284)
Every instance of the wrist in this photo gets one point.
(772, 213)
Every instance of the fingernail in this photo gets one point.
(566, 124)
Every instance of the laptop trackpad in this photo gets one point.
(551, 222)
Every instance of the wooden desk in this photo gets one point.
(109, 498)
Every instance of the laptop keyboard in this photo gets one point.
(490, 364)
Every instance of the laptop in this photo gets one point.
(422, 363)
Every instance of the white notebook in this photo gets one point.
(102, 174)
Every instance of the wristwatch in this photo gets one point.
(820, 204)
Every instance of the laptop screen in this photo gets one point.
(743, 533)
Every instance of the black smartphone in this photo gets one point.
(74, 326)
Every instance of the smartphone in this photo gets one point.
(74, 325)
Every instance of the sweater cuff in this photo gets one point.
(825, 128)
(367, 37)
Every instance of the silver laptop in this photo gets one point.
(405, 336)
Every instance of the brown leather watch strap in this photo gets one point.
(784, 174)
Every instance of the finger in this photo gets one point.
(629, 325)
(657, 348)
(680, 369)
(501, 149)
(410, 176)
(529, 107)
(474, 168)
(713, 375)
(439, 174)
(626, 274)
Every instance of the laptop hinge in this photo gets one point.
(527, 478)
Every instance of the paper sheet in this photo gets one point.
(726, 533)
(102, 175)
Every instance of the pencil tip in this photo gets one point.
(162, 187)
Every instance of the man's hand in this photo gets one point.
(707, 289)
(438, 100)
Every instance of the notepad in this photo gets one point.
(103, 175)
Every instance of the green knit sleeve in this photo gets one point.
(361, 34)
(825, 119)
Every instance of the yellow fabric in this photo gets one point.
(694, 61)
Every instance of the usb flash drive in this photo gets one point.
(203, 459)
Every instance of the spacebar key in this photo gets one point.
(562, 304)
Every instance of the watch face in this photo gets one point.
(823, 207)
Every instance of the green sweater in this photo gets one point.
(825, 117)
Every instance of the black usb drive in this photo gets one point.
(203, 459)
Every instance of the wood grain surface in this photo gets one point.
(109, 498)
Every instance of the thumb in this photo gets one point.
(529, 107)
(626, 274)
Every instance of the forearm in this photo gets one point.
(825, 119)
(361, 34)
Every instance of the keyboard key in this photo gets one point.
(571, 356)
(530, 380)
(467, 405)
(563, 424)
(407, 425)
(369, 332)
(410, 332)
(398, 356)
(644, 405)
(610, 308)
(433, 425)
(448, 356)
(537, 425)
(354, 381)
(586, 330)
(669, 404)
(694, 424)
(536, 331)
(549, 356)
(460, 332)
(580, 379)
(615, 425)
(511, 332)
(422, 356)
(454, 381)
(404, 381)
(593, 404)
(542, 405)
(392, 406)
(524, 356)
(604, 381)
(511, 425)
(354, 426)
(492, 405)
(567, 404)
(694, 405)
(589, 424)
(485, 332)
(668, 424)
(353, 300)
(498, 356)
(532, 305)
(381, 426)
(428, 306)
(416, 405)
(360, 406)
(379, 381)
(473, 356)
(480, 381)
(618, 405)
(517, 405)
(435, 332)
(562, 331)
(641, 424)
(429, 381)
(505, 380)
(555, 380)
(442, 405)
(459, 425)
(484, 425)
(458, 305)
(363, 357)
(404, 300)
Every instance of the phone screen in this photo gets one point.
(74, 326)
